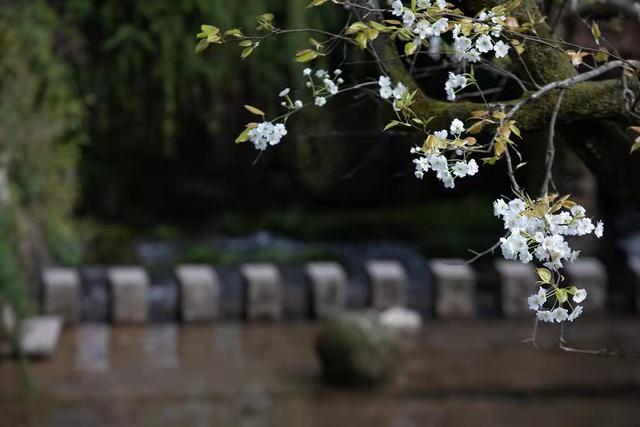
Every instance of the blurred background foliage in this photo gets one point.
(113, 129)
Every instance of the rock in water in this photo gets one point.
(401, 319)
(357, 349)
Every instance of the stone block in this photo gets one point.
(61, 293)
(388, 284)
(590, 274)
(455, 284)
(40, 336)
(262, 291)
(327, 288)
(199, 293)
(517, 282)
(129, 294)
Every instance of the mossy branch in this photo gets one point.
(542, 65)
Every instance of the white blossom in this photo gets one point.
(472, 167)
(545, 316)
(398, 8)
(484, 44)
(472, 55)
(330, 86)
(306, 72)
(423, 4)
(442, 134)
(560, 314)
(399, 91)
(320, 101)
(536, 301)
(457, 127)
(577, 311)
(580, 295)
(501, 49)
(461, 45)
(298, 104)
(284, 93)
(423, 29)
(599, 230)
(408, 18)
(440, 26)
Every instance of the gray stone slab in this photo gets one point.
(590, 274)
(388, 284)
(40, 336)
(455, 284)
(129, 295)
(199, 293)
(517, 282)
(262, 291)
(328, 288)
(61, 293)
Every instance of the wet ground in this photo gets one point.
(472, 373)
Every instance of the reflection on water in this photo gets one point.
(454, 374)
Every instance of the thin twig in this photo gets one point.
(551, 148)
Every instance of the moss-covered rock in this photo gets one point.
(357, 349)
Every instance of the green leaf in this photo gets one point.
(234, 32)
(243, 137)
(315, 3)
(356, 27)
(306, 55)
(361, 40)
(562, 295)
(595, 30)
(202, 45)
(209, 29)
(245, 43)
(635, 145)
(393, 124)
(410, 48)
(571, 290)
(378, 26)
(254, 110)
(544, 275)
(245, 53)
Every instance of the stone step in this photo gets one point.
(264, 291)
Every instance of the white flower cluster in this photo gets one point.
(288, 102)
(541, 235)
(388, 91)
(327, 85)
(419, 24)
(464, 48)
(557, 313)
(470, 39)
(446, 169)
(455, 81)
(266, 133)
